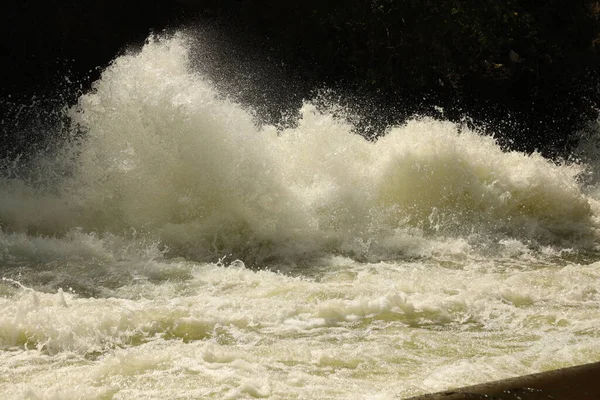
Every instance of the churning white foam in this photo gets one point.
(362, 330)
(427, 259)
(160, 153)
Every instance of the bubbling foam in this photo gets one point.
(162, 154)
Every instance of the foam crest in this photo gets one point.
(432, 174)
(162, 154)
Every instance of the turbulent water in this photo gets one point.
(173, 248)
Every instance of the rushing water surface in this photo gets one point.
(174, 249)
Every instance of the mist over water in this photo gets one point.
(174, 247)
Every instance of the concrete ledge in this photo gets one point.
(574, 383)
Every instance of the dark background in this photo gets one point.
(526, 70)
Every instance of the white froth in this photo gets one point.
(375, 329)
(162, 155)
(179, 250)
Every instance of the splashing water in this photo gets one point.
(427, 259)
